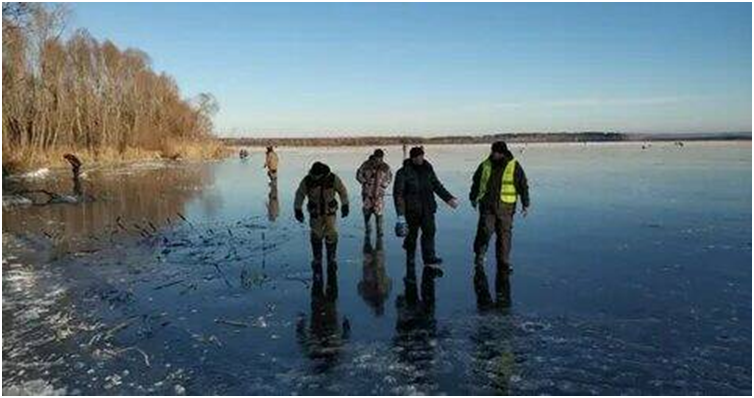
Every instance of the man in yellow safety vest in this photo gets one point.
(498, 182)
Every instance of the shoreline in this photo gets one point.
(26, 161)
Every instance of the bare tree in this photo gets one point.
(16, 15)
(80, 93)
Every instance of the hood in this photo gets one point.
(319, 170)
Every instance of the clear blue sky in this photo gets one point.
(316, 69)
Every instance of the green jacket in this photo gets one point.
(321, 193)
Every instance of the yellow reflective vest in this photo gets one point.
(509, 193)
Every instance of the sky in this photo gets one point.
(430, 69)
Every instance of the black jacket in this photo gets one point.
(519, 179)
(415, 188)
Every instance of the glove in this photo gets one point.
(453, 202)
(299, 215)
(473, 204)
(344, 210)
(401, 229)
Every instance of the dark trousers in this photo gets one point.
(426, 223)
(498, 220)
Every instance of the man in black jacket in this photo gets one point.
(498, 182)
(414, 194)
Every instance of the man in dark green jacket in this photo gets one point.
(497, 184)
(322, 189)
(414, 194)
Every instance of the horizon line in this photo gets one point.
(471, 135)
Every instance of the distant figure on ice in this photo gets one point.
(320, 187)
(375, 176)
(414, 194)
(243, 154)
(497, 183)
(271, 163)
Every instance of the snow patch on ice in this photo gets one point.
(33, 387)
(40, 173)
(16, 200)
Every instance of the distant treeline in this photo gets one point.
(452, 139)
(79, 93)
(478, 139)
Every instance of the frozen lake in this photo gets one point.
(632, 276)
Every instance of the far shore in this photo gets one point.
(524, 138)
